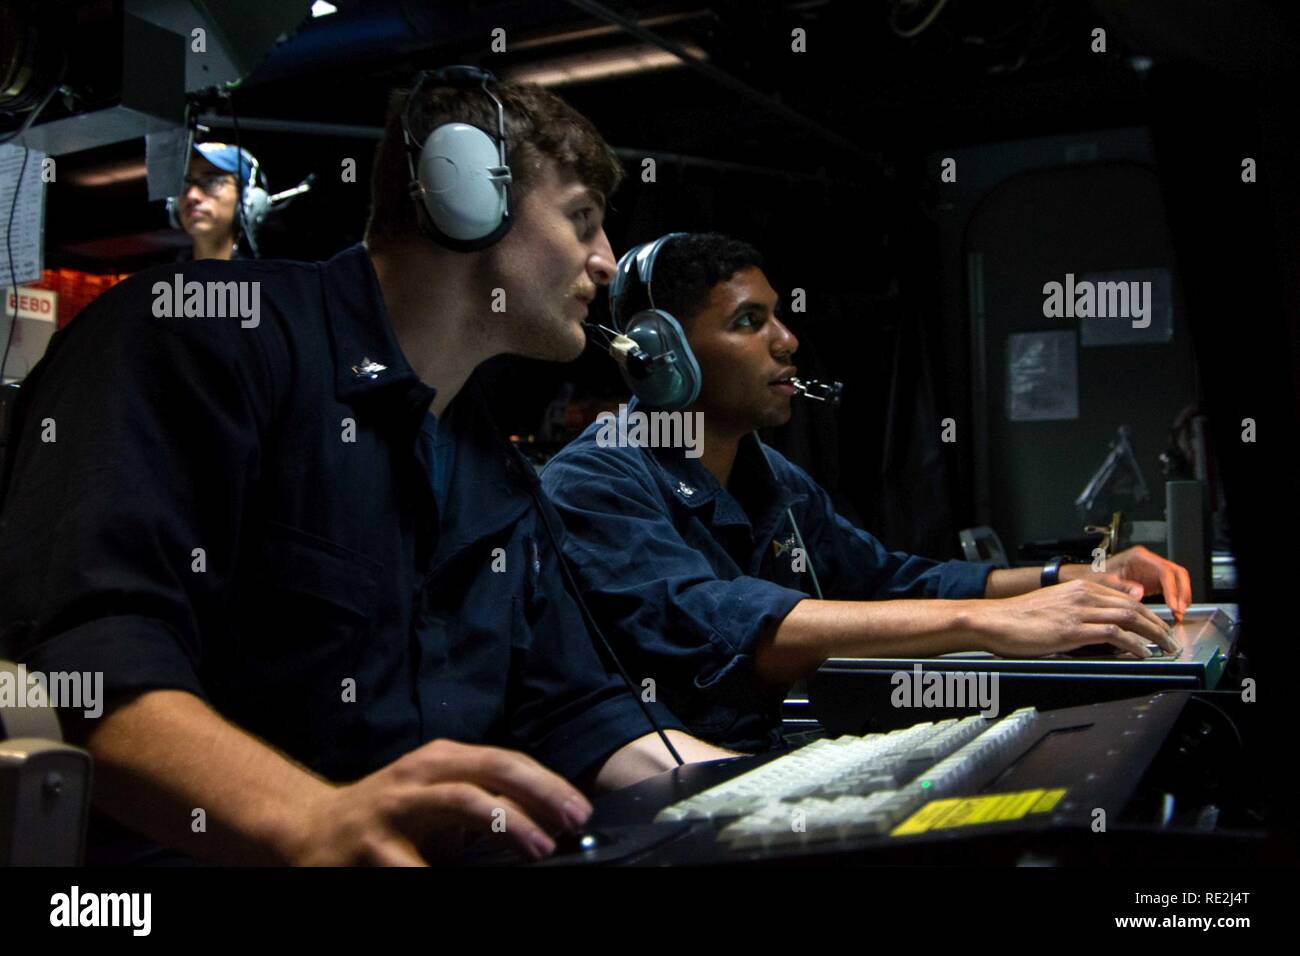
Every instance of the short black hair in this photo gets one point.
(689, 266)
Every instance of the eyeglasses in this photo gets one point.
(211, 184)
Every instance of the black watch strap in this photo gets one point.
(1052, 570)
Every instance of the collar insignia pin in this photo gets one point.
(368, 369)
(781, 547)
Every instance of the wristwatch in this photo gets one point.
(1052, 570)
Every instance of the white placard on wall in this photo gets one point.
(25, 241)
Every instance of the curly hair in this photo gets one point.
(687, 267)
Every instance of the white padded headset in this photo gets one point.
(459, 173)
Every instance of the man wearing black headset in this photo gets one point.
(702, 563)
(321, 588)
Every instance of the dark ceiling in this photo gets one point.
(866, 102)
(824, 159)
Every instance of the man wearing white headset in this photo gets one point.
(325, 594)
(223, 203)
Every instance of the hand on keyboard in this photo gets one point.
(1059, 619)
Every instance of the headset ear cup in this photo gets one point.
(257, 201)
(173, 212)
(673, 381)
(463, 187)
(461, 176)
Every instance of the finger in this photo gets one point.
(1172, 588)
(1185, 590)
(504, 819)
(1109, 607)
(1133, 622)
(1116, 583)
(1105, 597)
(544, 794)
(507, 816)
(422, 811)
(1115, 635)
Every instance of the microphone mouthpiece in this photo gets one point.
(828, 392)
(631, 356)
(286, 195)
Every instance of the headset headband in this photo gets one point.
(641, 259)
(462, 77)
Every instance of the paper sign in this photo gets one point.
(23, 241)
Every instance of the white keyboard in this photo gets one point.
(853, 786)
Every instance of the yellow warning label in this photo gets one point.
(972, 811)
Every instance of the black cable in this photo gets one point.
(9, 251)
(239, 180)
(40, 107)
(591, 621)
(1232, 725)
(31, 117)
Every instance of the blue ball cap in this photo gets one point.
(226, 157)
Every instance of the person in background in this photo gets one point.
(223, 202)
